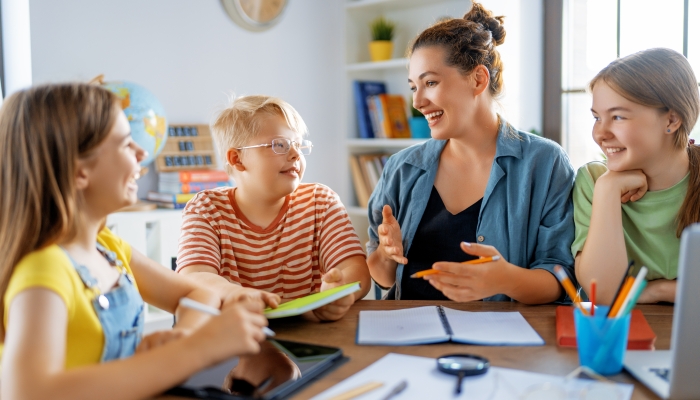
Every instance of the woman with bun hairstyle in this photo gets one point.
(635, 204)
(477, 188)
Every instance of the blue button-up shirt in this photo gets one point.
(526, 213)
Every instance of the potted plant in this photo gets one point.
(418, 123)
(381, 47)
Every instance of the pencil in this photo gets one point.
(593, 289)
(568, 287)
(480, 260)
(633, 302)
(615, 307)
(195, 305)
(352, 393)
(641, 276)
(622, 283)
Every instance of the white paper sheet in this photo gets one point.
(491, 328)
(426, 382)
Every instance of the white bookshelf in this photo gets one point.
(411, 17)
(155, 234)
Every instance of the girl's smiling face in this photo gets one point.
(112, 169)
(630, 134)
(442, 93)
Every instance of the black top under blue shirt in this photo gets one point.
(437, 238)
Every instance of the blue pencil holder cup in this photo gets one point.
(601, 341)
(419, 128)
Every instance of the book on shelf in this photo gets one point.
(362, 90)
(366, 170)
(203, 175)
(189, 187)
(389, 115)
(168, 205)
(180, 198)
(358, 181)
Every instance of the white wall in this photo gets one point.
(523, 58)
(16, 45)
(191, 56)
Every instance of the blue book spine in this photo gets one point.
(362, 90)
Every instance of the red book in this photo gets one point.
(641, 337)
(203, 175)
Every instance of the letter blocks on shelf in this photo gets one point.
(188, 147)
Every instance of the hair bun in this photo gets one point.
(485, 17)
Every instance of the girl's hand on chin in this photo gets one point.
(631, 184)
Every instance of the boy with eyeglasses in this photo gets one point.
(271, 236)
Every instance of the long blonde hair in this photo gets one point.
(44, 131)
(663, 79)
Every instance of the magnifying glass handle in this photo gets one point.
(458, 389)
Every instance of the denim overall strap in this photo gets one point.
(120, 311)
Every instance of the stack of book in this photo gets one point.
(380, 115)
(388, 115)
(366, 170)
(176, 188)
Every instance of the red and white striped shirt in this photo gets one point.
(311, 234)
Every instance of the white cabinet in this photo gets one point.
(154, 233)
(411, 17)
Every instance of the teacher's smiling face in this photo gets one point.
(445, 95)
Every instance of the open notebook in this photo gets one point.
(435, 324)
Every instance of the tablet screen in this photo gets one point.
(280, 367)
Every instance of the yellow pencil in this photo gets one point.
(352, 393)
(569, 287)
(480, 260)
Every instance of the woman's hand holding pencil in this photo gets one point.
(479, 260)
(471, 280)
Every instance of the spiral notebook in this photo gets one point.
(436, 324)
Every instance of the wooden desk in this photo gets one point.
(548, 359)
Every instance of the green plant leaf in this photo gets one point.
(382, 29)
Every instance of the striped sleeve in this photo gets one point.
(338, 240)
(200, 242)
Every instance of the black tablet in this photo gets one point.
(280, 368)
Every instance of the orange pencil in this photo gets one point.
(569, 287)
(593, 287)
(480, 260)
(617, 303)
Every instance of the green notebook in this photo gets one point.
(311, 302)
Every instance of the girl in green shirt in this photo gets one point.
(635, 205)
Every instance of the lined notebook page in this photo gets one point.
(419, 325)
(491, 328)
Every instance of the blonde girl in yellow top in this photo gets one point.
(70, 300)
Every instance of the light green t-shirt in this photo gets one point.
(649, 224)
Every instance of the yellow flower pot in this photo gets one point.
(380, 50)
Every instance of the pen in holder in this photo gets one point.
(601, 341)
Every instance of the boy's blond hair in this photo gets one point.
(240, 122)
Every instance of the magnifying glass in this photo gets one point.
(462, 365)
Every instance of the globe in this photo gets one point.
(146, 116)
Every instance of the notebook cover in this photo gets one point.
(311, 302)
(641, 337)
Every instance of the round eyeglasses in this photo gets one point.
(283, 145)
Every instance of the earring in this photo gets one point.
(668, 130)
